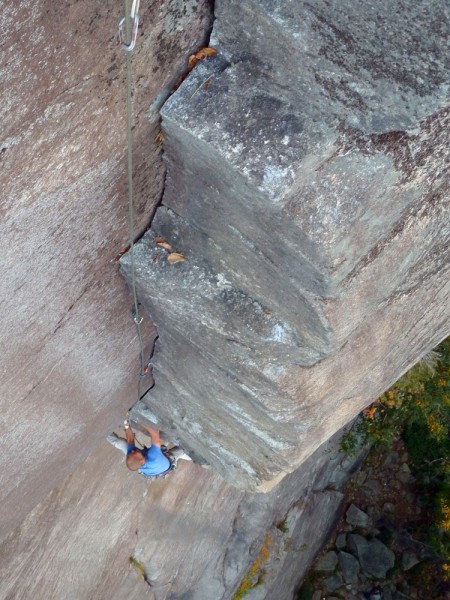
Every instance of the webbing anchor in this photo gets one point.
(134, 27)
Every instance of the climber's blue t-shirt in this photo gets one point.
(155, 461)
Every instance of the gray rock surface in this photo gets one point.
(70, 356)
(372, 487)
(333, 583)
(355, 516)
(409, 560)
(349, 566)
(193, 533)
(328, 562)
(374, 557)
(306, 186)
(337, 226)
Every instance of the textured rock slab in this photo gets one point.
(70, 356)
(349, 566)
(334, 582)
(328, 562)
(307, 186)
(341, 541)
(374, 557)
(409, 560)
(358, 518)
(194, 534)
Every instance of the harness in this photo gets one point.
(164, 474)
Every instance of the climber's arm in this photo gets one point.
(154, 434)
(129, 434)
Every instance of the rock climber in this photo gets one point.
(151, 462)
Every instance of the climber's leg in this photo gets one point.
(118, 443)
(178, 453)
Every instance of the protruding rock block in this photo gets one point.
(307, 186)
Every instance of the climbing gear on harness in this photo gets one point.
(170, 470)
(134, 17)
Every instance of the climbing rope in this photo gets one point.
(128, 40)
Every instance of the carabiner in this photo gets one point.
(134, 27)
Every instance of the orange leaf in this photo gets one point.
(175, 257)
(369, 413)
(162, 242)
(203, 53)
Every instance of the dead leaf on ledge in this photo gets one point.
(163, 243)
(159, 138)
(203, 53)
(176, 257)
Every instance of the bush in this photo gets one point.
(417, 408)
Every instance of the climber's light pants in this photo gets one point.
(122, 445)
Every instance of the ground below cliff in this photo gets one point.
(380, 538)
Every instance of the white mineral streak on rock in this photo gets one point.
(274, 176)
(222, 282)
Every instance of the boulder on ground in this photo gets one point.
(334, 582)
(327, 563)
(409, 560)
(374, 557)
(349, 566)
(357, 517)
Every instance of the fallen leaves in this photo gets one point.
(193, 60)
(159, 138)
(176, 257)
(370, 412)
(203, 53)
(162, 242)
(172, 257)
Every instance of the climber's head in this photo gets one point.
(135, 460)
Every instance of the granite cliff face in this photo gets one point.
(194, 535)
(307, 186)
(68, 344)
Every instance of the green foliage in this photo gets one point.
(420, 399)
(420, 372)
(139, 566)
(417, 407)
(306, 591)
